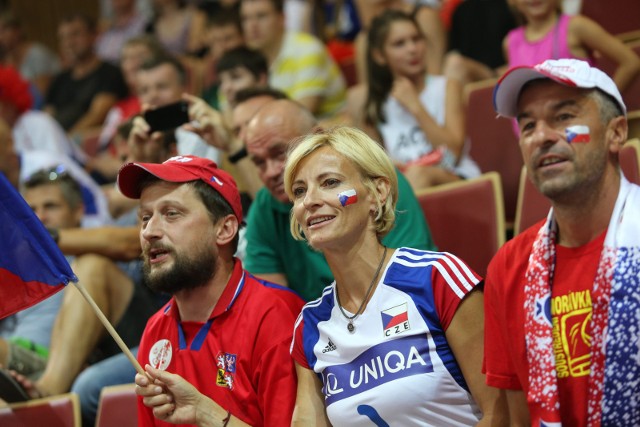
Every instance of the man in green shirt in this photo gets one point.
(272, 253)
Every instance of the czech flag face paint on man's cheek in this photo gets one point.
(578, 133)
(348, 197)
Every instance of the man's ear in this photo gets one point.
(616, 133)
(227, 229)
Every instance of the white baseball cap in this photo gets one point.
(569, 72)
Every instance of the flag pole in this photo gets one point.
(110, 328)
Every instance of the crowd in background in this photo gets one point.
(396, 69)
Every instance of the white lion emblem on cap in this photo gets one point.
(180, 159)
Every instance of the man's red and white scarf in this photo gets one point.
(614, 381)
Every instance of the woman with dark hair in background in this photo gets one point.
(418, 116)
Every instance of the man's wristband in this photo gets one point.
(238, 155)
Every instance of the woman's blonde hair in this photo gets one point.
(365, 154)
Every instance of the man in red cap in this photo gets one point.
(562, 300)
(223, 330)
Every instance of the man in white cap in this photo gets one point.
(562, 299)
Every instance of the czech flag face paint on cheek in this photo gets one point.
(578, 133)
(348, 197)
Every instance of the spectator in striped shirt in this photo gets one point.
(299, 64)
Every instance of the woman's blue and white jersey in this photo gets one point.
(396, 368)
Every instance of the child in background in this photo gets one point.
(547, 33)
(418, 116)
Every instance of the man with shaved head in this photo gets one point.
(272, 253)
(248, 102)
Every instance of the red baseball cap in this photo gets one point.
(14, 89)
(181, 169)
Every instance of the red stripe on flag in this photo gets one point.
(16, 294)
(581, 137)
(396, 320)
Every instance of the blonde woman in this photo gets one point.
(397, 338)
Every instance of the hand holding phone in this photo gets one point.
(167, 117)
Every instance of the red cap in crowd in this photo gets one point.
(181, 169)
(14, 89)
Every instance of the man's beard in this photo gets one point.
(186, 272)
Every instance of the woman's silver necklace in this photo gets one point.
(350, 327)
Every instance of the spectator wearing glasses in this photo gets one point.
(72, 336)
(20, 166)
(56, 199)
(78, 337)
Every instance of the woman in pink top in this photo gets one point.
(549, 34)
(546, 33)
(553, 44)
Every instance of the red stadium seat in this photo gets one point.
(466, 218)
(633, 119)
(494, 145)
(631, 95)
(630, 160)
(118, 407)
(55, 411)
(618, 18)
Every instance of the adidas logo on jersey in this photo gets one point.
(329, 347)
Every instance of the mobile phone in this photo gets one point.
(167, 117)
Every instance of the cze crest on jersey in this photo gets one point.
(226, 364)
(395, 320)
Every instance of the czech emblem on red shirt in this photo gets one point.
(226, 364)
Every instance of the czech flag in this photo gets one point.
(348, 197)
(394, 316)
(32, 267)
(578, 133)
